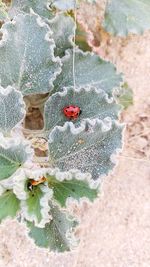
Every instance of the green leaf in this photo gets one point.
(63, 27)
(92, 102)
(12, 157)
(57, 234)
(71, 188)
(127, 16)
(23, 6)
(9, 205)
(124, 96)
(89, 69)
(26, 42)
(12, 109)
(88, 148)
(63, 4)
(36, 207)
(3, 11)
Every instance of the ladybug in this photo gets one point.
(72, 112)
(33, 183)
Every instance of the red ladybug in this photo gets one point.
(72, 112)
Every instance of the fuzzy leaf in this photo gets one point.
(63, 30)
(88, 148)
(23, 6)
(33, 202)
(25, 42)
(90, 69)
(63, 4)
(12, 109)
(12, 157)
(127, 16)
(3, 11)
(73, 188)
(92, 102)
(56, 234)
(9, 205)
(36, 207)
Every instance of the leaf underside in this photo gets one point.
(88, 149)
(127, 16)
(55, 235)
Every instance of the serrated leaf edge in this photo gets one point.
(19, 180)
(70, 233)
(86, 88)
(89, 33)
(57, 18)
(45, 208)
(105, 124)
(57, 59)
(49, 33)
(73, 174)
(7, 142)
(79, 176)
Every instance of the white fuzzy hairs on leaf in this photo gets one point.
(19, 181)
(49, 39)
(44, 205)
(106, 125)
(6, 91)
(73, 174)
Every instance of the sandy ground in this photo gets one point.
(115, 230)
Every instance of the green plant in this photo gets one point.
(45, 168)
